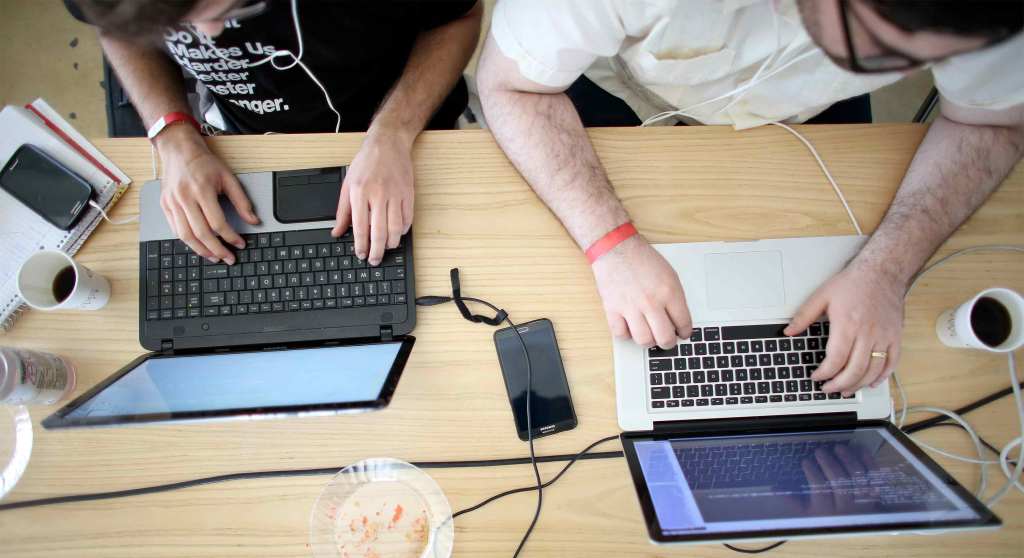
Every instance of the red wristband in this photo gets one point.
(168, 119)
(609, 241)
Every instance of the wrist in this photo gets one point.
(179, 139)
(384, 130)
(883, 269)
(620, 239)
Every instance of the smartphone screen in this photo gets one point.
(45, 186)
(550, 403)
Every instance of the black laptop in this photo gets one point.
(297, 325)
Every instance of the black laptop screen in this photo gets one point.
(246, 380)
(792, 482)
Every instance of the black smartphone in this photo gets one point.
(45, 186)
(551, 408)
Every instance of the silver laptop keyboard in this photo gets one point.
(738, 365)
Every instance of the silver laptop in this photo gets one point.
(737, 363)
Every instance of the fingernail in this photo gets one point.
(240, 245)
(229, 260)
(212, 259)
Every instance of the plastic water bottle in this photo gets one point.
(34, 377)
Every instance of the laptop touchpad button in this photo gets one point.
(744, 280)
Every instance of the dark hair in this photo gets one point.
(993, 19)
(135, 19)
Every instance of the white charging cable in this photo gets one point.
(103, 213)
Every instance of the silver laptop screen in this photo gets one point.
(247, 380)
(806, 480)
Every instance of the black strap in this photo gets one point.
(476, 318)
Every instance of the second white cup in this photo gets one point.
(992, 320)
(53, 280)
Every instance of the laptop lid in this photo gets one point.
(835, 478)
(326, 378)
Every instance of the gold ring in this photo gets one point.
(879, 354)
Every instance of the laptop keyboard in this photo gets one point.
(738, 365)
(284, 271)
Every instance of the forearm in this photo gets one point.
(435, 64)
(155, 86)
(954, 171)
(543, 137)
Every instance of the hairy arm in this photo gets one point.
(377, 193)
(964, 157)
(541, 133)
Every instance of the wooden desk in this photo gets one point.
(473, 211)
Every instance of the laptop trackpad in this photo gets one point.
(744, 280)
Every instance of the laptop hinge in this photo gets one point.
(166, 345)
(756, 424)
(386, 333)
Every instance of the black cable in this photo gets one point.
(772, 546)
(924, 423)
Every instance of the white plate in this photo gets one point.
(379, 508)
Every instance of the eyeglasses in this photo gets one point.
(886, 58)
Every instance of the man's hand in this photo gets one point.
(193, 179)
(377, 196)
(865, 307)
(642, 296)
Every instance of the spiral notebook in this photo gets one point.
(22, 232)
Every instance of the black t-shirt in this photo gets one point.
(357, 49)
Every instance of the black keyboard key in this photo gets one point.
(749, 388)
(660, 364)
(717, 401)
(656, 379)
(778, 387)
(813, 344)
(806, 385)
(736, 361)
(741, 375)
(687, 402)
(708, 362)
(763, 331)
(714, 348)
(692, 391)
(798, 371)
(677, 363)
(790, 397)
(685, 349)
(746, 400)
(657, 404)
(713, 376)
(657, 352)
(684, 377)
(729, 347)
(670, 378)
(696, 335)
(743, 347)
(778, 359)
(679, 392)
(735, 389)
(771, 345)
(702, 402)
(819, 356)
(805, 397)
(835, 395)
(799, 344)
(711, 334)
(785, 344)
(775, 398)
(783, 372)
(792, 386)
(815, 330)
(722, 361)
(769, 374)
(707, 390)
(763, 388)
(807, 358)
(819, 396)
(727, 376)
(721, 390)
(755, 374)
(660, 392)
(761, 399)
(750, 360)
(700, 349)
(732, 401)
(693, 363)
(757, 346)
(671, 403)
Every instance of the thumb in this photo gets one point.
(236, 194)
(807, 314)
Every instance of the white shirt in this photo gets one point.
(662, 55)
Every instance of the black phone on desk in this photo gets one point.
(551, 407)
(45, 186)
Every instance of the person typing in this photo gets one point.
(547, 64)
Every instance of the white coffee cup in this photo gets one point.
(992, 320)
(52, 280)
